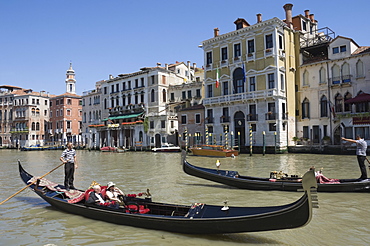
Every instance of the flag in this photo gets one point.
(217, 79)
(332, 108)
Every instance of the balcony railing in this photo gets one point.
(243, 96)
(225, 119)
(252, 117)
(209, 120)
(270, 116)
(341, 79)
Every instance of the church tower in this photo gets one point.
(70, 80)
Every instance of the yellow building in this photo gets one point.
(250, 81)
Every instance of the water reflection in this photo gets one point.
(342, 218)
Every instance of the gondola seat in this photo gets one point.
(134, 208)
(103, 192)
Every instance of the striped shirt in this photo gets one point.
(68, 155)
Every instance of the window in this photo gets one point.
(164, 95)
(209, 58)
(209, 115)
(306, 78)
(163, 79)
(346, 77)
(272, 127)
(183, 93)
(336, 74)
(69, 124)
(306, 132)
(142, 82)
(225, 87)
(323, 107)
(347, 106)
(189, 95)
(304, 26)
(322, 75)
(252, 84)
(281, 44)
(153, 79)
(238, 80)
(251, 46)
(282, 82)
(198, 93)
(237, 51)
(224, 54)
(124, 86)
(305, 109)
(152, 96)
(151, 124)
(225, 114)
(269, 42)
(209, 91)
(338, 103)
(136, 83)
(343, 48)
(335, 50)
(112, 88)
(271, 80)
(163, 124)
(129, 85)
(172, 96)
(197, 118)
(359, 69)
(69, 112)
(33, 126)
(183, 119)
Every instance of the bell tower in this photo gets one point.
(70, 80)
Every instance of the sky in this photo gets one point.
(39, 38)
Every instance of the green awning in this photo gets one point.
(128, 116)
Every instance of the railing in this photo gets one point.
(243, 96)
(270, 116)
(209, 120)
(225, 119)
(252, 117)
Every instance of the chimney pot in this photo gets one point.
(259, 18)
(306, 13)
(288, 14)
(216, 32)
(312, 17)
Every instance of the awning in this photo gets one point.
(121, 117)
(363, 97)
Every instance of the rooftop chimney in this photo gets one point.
(166, 65)
(194, 66)
(158, 64)
(216, 31)
(259, 18)
(288, 14)
(312, 17)
(306, 13)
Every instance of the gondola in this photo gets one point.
(233, 178)
(195, 219)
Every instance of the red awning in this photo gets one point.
(363, 97)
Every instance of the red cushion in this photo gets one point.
(142, 209)
(103, 192)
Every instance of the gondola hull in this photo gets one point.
(199, 219)
(254, 183)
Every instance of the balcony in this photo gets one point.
(19, 130)
(209, 120)
(225, 119)
(241, 97)
(270, 116)
(250, 56)
(341, 80)
(252, 117)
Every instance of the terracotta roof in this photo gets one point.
(362, 50)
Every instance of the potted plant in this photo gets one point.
(295, 140)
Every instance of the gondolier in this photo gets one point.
(361, 153)
(69, 158)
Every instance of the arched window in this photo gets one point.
(346, 77)
(335, 74)
(164, 95)
(152, 96)
(33, 126)
(306, 76)
(238, 81)
(322, 75)
(323, 106)
(359, 69)
(305, 109)
(33, 111)
(347, 106)
(338, 103)
(37, 126)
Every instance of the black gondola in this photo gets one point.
(233, 178)
(195, 219)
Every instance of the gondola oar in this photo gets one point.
(30, 184)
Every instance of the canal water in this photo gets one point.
(342, 219)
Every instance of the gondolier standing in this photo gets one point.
(69, 158)
(361, 153)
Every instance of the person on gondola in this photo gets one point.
(95, 196)
(114, 193)
(70, 164)
(361, 153)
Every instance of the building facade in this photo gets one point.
(250, 78)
